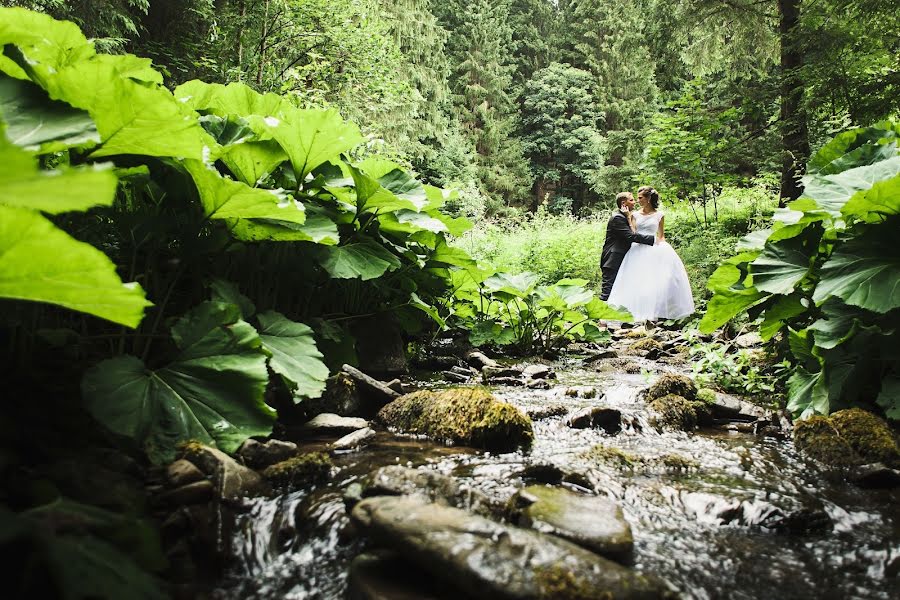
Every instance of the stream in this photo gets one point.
(742, 517)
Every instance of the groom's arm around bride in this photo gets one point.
(619, 237)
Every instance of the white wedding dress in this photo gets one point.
(652, 282)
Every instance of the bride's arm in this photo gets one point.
(631, 222)
(660, 231)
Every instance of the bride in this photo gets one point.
(652, 282)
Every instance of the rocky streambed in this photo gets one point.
(626, 483)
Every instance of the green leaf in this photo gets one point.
(807, 394)
(253, 161)
(408, 221)
(406, 187)
(212, 392)
(783, 309)
(598, 309)
(867, 154)
(889, 396)
(755, 240)
(838, 324)
(364, 260)
(45, 42)
(227, 293)
(450, 255)
(849, 142)
(802, 344)
(318, 228)
(882, 199)
(782, 265)
(831, 192)
(36, 122)
(726, 304)
(41, 263)
(23, 184)
(236, 99)
(228, 199)
(294, 354)
(312, 137)
(132, 117)
(227, 131)
(864, 271)
(428, 309)
(520, 285)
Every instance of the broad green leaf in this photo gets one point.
(889, 397)
(133, 67)
(232, 99)
(838, 324)
(849, 142)
(47, 44)
(311, 137)
(132, 118)
(726, 304)
(867, 154)
(406, 187)
(519, 285)
(807, 394)
(732, 272)
(227, 131)
(377, 167)
(252, 161)
(318, 228)
(456, 226)
(23, 184)
(41, 263)
(755, 240)
(363, 260)
(227, 293)
(428, 309)
(775, 316)
(228, 199)
(831, 192)
(486, 332)
(450, 255)
(882, 199)
(35, 122)
(371, 195)
(212, 392)
(802, 344)
(294, 354)
(408, 221)
(864, 271)
(598, 309)
(782, 265)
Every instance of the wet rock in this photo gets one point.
(490, 373)
(304, 468)
(396, 480)
(386, 576)
(678, 385)
(538, 372)
(467, 416)
(612, 456)
(511, 381)
(331, 424)
(490, 560)
(437, 362)
(581, 391)
(356, 439)
(848, 438)
(676, 412)
(197, 492)
(542, 473)
(593, 522)
(603, 354)
(537, 384)
(726, 406)
(453, 376)
(790, 516)
(370, 389)
(597, 417)
(231, 479)
(479, 360)
(545, 412)
(182, 472)
(259, 455)
(875, 475)
(466, 371)
(341, 397)
(647, 347)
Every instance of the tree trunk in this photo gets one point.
(794, 135)
(263, 46)
(242, 10)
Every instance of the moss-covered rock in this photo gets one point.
(674, 411)
(706, 395)
(848, 438)
(557, 582)
(611, 456)
(646, 344)
(678, 385)
(467, 416)
(305, 468)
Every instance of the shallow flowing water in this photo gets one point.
(749, 519)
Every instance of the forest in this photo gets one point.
(222, 221)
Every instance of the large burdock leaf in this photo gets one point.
(807, 394)
(889, 397)
(782, 265)
(212, 392)
(311, 137)
(294, 354)
(228, 199)
(852, 148)
(831, 192)
(318, 228)
(41, 263)
(132, 117)
(35, 122)
(232, 99)
(883, 199)
(364, 260)
(23, 184)
(47, 44)
(519, 286)
(864, 271)
(252, 161)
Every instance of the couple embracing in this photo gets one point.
(641, 271)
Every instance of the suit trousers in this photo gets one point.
(609, 278)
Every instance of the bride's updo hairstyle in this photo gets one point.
(650, 193)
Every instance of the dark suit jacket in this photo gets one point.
(618, 241)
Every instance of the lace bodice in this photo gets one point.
(647, 224)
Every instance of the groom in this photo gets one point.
(618, 241)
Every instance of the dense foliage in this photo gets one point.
(824, 277)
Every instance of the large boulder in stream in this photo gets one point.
(673, 411)
(467, 416)
(486, 559)
(593, 522)
(848, 438)
(396, 480)
(679, 385)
